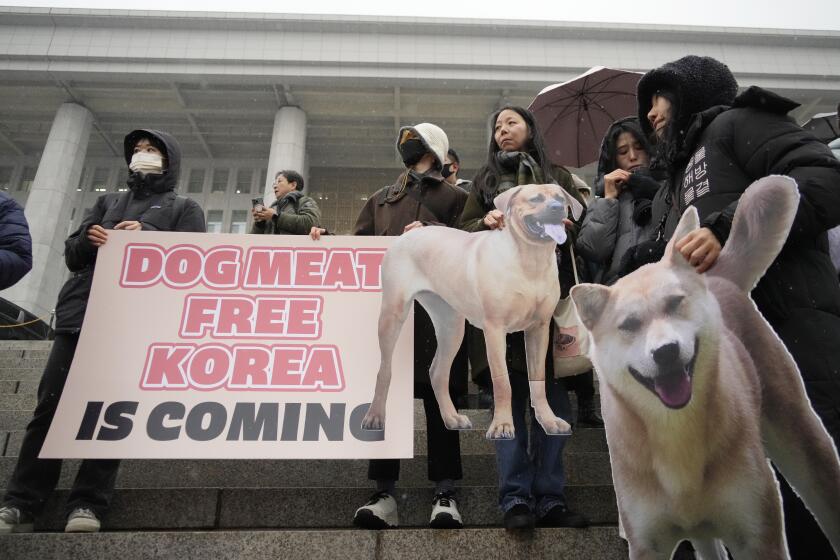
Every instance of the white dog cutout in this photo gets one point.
(501, 281)
(696, 388)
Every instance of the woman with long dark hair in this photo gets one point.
(620, 218)
(519, 160)
(529, 483)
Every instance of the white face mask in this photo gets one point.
(146, 163)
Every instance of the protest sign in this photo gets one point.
(232, 346)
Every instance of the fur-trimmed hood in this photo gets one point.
(696, 82)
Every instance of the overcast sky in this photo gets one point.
(801, 14)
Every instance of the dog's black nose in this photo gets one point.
(666, 354)
(555, 205)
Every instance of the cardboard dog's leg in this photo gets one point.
(709, 549)
(651, 549)
(794, 436)
(762, 535)
(449, 332)
(798, 444)
(536, 346)
(502, 425)
(395, 308)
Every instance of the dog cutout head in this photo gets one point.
(538, 211)
(649, 328)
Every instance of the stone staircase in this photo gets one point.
(297, 508)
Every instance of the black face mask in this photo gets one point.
(412, 151)
(446, 171)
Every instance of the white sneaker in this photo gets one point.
(380, 512)
(445, 513)
(82, 520)
(12, 520)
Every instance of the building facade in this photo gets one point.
(249, 94)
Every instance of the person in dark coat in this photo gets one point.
(149, 204)
(531, 481)
(714, 144)
(292, 212)
(419, 197)
(15, 242)
(620, 217)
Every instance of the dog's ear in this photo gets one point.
(502, 201)
(689, 221)
(590, 301)
(572, 203)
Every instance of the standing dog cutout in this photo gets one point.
(697, 391)
(501, 281)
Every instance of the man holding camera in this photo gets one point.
(292, 213)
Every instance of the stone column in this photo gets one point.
(288, 146)
(49, 206)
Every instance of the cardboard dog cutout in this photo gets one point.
(697, 391)
(501, 281)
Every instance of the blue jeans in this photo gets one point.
(533, 477)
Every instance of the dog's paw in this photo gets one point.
(373, 421)
(501, 428)
(554, 426)
(457, 422)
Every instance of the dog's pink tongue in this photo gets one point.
(557, 232)
(674, 390)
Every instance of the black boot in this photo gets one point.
(588, 416)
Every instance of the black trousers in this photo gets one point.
(34, 479)
(443, 446)
(583, 385)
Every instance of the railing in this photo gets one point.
(17, 323)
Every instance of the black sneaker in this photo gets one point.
(519, 518)
(561, 516)
(445, 513)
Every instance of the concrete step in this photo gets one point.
(25, 345)
(21, 374)
(15, 359)
(473, 442)
(269, 508)
(11, 420)
(8, 386)
(479, 470)
(18, 401)
(601, 543)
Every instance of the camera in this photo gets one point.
(257, 203)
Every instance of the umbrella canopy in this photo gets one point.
(824, 126)
(574, 116)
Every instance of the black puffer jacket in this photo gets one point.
(15, 242)
(613, 225)
(151, 201)
(721, 152)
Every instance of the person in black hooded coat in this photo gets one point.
(620, 217)
(715, 144)
(150, 204)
